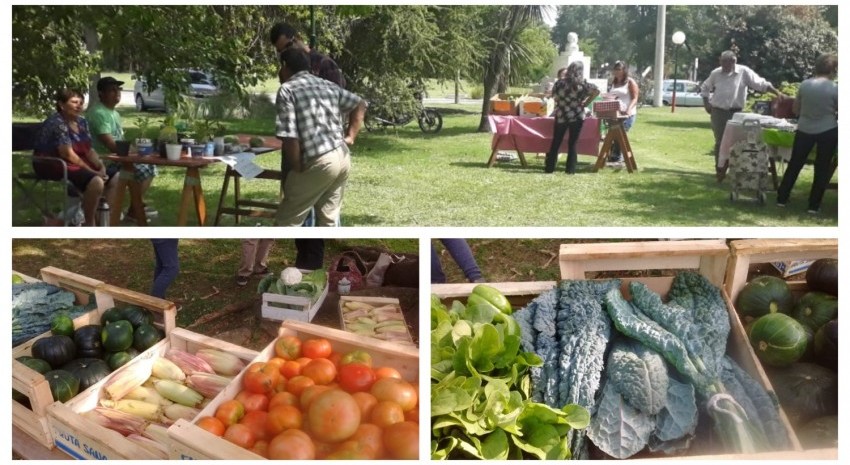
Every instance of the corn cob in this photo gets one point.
(164, 368)
(177, 411)
(208, 384)
(146, 410)
(148, 394)
(222, 362)
(117, 420)
(128, 378)
(156, 449)
(187, 362)
(178, 393)
(157, 432)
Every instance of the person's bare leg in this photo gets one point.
(91, 196)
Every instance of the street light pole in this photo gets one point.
(678, 40)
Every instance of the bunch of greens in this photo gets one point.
(309, 285)
(480, 390)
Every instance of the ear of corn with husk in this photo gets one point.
(221, 362)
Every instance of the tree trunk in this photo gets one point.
(457, 87)
(491, 78)
(92, 46)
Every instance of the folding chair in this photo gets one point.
(26, 179)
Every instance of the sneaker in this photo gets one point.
(780, 204)
(241, 280)
(813, 212)
(151, 212)
(263, 271)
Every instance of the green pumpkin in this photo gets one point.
(805, 391)
(88, 370)
(820, 433)
(822, 276)
(778, 339)
(117, 336)
(763, 295)
(62, 325)
(116, 360)
(63, 385)
(826, 345)
(137, 316)
(112, 314)
(36, 364)
(816, 309)
(87, 340)
(55, 350)
(145, 337)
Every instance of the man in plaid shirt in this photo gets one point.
(315, 147)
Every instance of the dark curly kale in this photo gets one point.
(765, 408)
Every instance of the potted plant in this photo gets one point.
(218, 137)
(169, 143)
(144, 144)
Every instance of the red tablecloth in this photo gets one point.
(529, 134)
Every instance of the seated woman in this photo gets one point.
(65, 135)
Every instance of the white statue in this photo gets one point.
(572, 43)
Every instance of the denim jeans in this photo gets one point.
(616, 154)
(167, 265)
(462, 255)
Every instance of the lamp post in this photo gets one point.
(678, 40)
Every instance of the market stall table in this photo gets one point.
(616, 133)
(251, 208)
(534, 134)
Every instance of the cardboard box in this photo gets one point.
(504, 104)
(792, 267)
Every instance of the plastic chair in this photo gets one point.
(28, 182)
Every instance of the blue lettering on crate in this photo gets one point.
(96, 454)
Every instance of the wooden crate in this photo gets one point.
(286, 307)
(83, 439)
(32, 384)
(194, 443)
(376, 302)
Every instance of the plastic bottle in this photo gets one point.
(103, 213)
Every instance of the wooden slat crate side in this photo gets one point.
(81, 286)
(35, 426)
(191, 442)
(188, 341)
(283, 307)
(624, 250)
(164, 311)
(747, 252)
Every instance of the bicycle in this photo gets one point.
(380, 116)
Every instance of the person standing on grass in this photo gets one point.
(462, 255)
(626, 90)
(724, 93)
(283, 35)
(255, 259)
(167, 265)
(310, 125)
(105, 126)
(572, 95)
(817, 107)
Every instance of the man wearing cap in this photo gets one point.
(724, 93)
(105, 125)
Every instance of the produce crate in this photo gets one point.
(83, 439)
(193, 443)
(32, 384)
(504, 104)
(287, 307)
(33, 421)
(375, 302)
(746, 252)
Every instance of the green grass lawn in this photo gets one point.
(402, 177)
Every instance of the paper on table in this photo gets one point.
(243, 163)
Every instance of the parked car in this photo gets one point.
(687, 93)
(201, 85)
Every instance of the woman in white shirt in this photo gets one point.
(626, 90)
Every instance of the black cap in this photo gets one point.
(104, 82)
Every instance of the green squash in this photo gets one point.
(36, 364)
(778, 339)
(822, 276)
(63, 385)
(88, 370)
(805, 391)
(116, 360)
(763, 295)
(112, 314)
(62, 325)
(137, 316)
(816, 309)
(117, 336)
(826, 345)
(55, 350)
(87, 340)
(820, 433)
(145, 337)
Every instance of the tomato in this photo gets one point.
(290, 368)
(351, 450)
(230, 412)
(387, 372)
(396, 390)
(335, 357)
(309, 394)
(276, 361)
(323, 449)
(241, 435)
(320, 370)
(261, 378)
(283, 398)
(355, 377)
(288, 347)
(316, 348)
(261, 448)
(292, 445)
(402, 441)
(357, 356)
(369, 437)
(280, 386)
(211, 424)
(303, 361)
(386, 413)
(281, 418)
(256, 420)
(366, 402)
(297, 384)
(412, 415)
(253, 401)
(333, 416)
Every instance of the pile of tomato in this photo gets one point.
(309, 402)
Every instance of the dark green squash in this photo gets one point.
(88, 370)
(62, 325)
(820, 433)
(822, 276)
(815, 309)
(116, 360)
(63, 385)
(112, 314)
(763, 295)
(137, 316)
(145, 336)
(55, 350)
(87, 340)
(778, 339)
(36, 364)
(117, 336)
(826, 345)
(805, 391)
